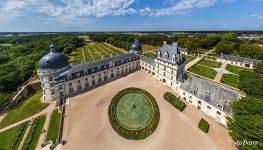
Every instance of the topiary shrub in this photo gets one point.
(172, 99)
(203, 125)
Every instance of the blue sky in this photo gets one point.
(130, 15)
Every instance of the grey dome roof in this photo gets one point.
(136, 46)
(53, 60)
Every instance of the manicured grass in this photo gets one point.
(93, 52)
(231, 80)
(189, 58)
(150, 55)
(54, 126)
(7, 137)
(210, 63)
(25, 109)
(203, 71)
(34, 133)
(147, 48)
(235, 69)
(172, 99)
(203, 125)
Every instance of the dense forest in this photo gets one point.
(20, 61)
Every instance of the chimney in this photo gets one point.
(175, 43)
(164, 42)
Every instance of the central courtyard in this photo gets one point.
(87, 124)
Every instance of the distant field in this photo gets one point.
(210, 63)
(203, 71)
(147, 48)
(94, 52)
(6, 45)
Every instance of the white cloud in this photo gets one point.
(181, 7)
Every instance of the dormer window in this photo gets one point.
(166, 55)
(174, 58)
(159, 54)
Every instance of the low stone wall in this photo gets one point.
(22, 92)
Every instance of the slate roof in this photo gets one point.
(147, 60)
(239, 59)
(171, 50)
(217, 95)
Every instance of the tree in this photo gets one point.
(247, 121)
(225, 47)
(251, 82)
(259, 68)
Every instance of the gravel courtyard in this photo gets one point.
(87, 125)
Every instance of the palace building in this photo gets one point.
(60, 80)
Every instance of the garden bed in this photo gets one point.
(172, 99)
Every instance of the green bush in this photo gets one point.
(203, 125)
(172, 99)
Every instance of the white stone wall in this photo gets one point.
(216, 113)
(235, 63)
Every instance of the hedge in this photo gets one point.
(172, 99)
(203, 125)
(19, 136)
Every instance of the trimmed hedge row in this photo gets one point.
(203, 125)
(133, 134)
(31, 134)
(19, 136)
(172, 99)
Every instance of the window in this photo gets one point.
(105, 78)
(164, 68)
(172, 77)
(174, 58)
(60, 87)
(164, 73)
(166, 55)
(99, 80)
(190, 101)
(69, 84)
(51, 84)
(71, 90)
(86, 79)
(199, 102)
(87, 84)
(51, 78)
(52, 92)
(209, 107)
(93, 77)
(61, 94)
(190, 97)
(79, 87)
(78, 81)
(218, 113)
(93, 82)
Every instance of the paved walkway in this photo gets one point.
(83, 54)
(50, 107)
(90, 53)
(24, 137)
(219, 75)
(43, 136)
(191, 63)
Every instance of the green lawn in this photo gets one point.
(34, 133)
(150, 55)
(54, 126)
(235, 69)
(231, 80)
(5, 98)
(203, 71)
(147, 48)
(94, 51)
(188, 58)
(210, 63)
(25, 109)
(7, 137)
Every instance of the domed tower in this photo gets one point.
(50, 66)
(136, 47)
